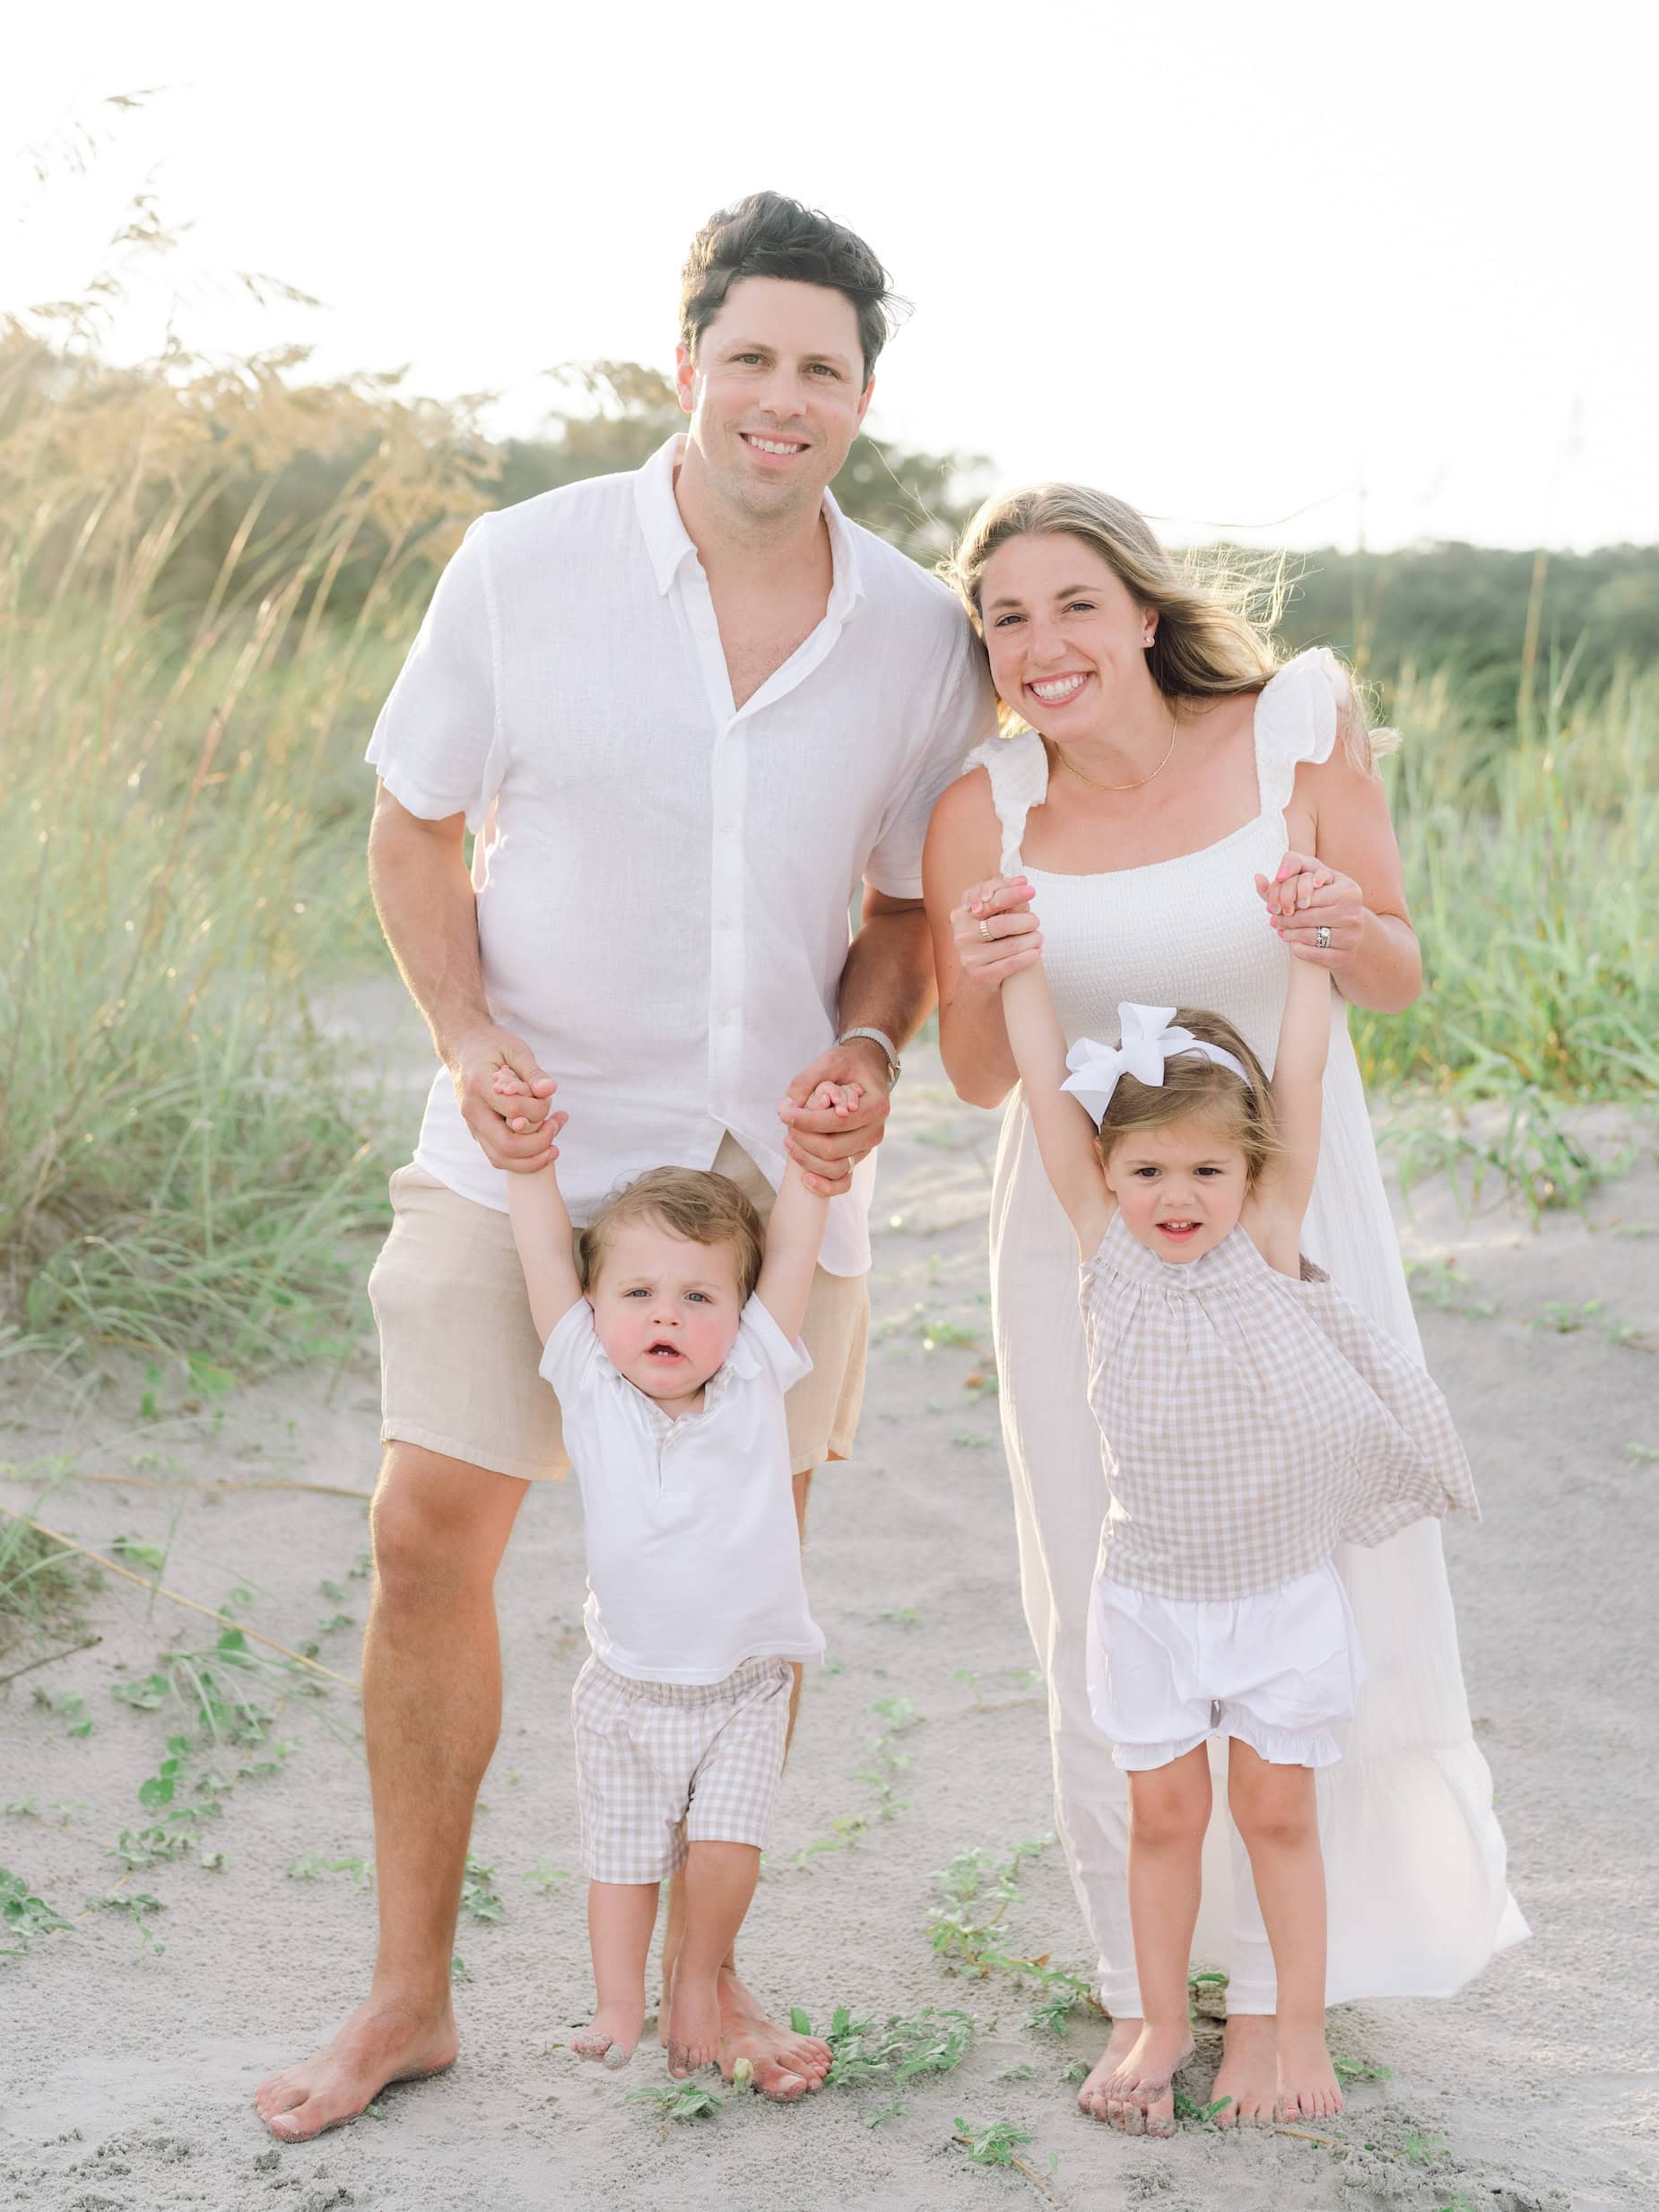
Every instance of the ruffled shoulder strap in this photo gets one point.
(1296, 720)
(1018, 767)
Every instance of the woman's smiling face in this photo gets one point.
(1066, 641)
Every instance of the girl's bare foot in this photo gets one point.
(1140, 2096)
(693, 2023)
(611, 2036)
(1091, 2096)
(1307, 2088)
(1248, 2073)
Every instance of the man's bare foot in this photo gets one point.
(1308, 2087)
(1091, 2096)
(1140, 2096)
(612, 2034)
(379, 2043)
(783, 2066)
(1248, 2073)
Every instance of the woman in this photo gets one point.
(1145, 802)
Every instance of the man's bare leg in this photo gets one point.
(785, 2066)
(431, 1714)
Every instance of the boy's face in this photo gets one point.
(666, 1309)
(776, 392)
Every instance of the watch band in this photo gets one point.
(895, 1066)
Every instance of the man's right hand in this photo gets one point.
(514, 1131)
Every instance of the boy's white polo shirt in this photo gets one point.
(693, 1550)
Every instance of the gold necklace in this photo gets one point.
(1093, 785)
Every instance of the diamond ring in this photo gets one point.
(985, 929)
(1322, 938)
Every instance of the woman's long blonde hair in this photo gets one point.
(1216, 610)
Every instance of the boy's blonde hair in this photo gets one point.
(1198, 1088)
(695, 1203)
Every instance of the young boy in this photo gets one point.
(670, 1341)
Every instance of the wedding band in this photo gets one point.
(985, 929)
(1322, 938)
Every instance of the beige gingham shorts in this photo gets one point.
(459, 1356)
(662, 1765)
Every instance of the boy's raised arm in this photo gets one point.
(797, 1229)
(542, 1230)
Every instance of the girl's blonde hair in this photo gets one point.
(695, 1203)
(1198, 1088)
(1216, 610)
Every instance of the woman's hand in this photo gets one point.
(994, 930)
(1306, 897)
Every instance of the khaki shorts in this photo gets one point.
(459, 1358)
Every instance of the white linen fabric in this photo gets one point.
(662, 1765)
(663, 878)
(693, 1551)
(1249, 1421)
(1414, 1859)
(1279, 1669)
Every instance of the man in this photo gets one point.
(685, 712)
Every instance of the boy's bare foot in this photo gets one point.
(1091, 2096)
(784, 2065)
(1307, 2087)
(612, 2034)
(379, 2043)
(693, 2038)
(1248, 2073)
(1140, 2096)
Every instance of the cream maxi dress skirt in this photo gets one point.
(1414, 1858)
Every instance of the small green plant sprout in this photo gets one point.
(23, 1915)
(844, 1829)
(1024, 2071)
(69, 1708)
(899, 1712)
(211, 1861)
(1022, 1680)
(893, 2050)
(1188, 2108)
(1628, 1338)
(361, 1567)
(999, 2144)
(335, 1623)
(546, 1877)
(970, 1440)
(458, 1969)
(978, 1888)
(24, 1809)
(1206, 1996)
(1422, 2150)
(1438, 1283)
(1360, 2069)
(1565, 1318)
(334, 1591)
(1644, 1454)
(901, 1617)
(1462, 2202)
(132, 1552)
(1077, 2072)
(478, 1892)
(311, 1864)
(679, 2101)
(136, 1906)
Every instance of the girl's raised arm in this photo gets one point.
(1065, 1134)
(1298, 1089)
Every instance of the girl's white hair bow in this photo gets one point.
(1148, 1040)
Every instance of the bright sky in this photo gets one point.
(1299, 271)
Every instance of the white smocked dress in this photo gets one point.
(1250, 1421)
(1414, 1859)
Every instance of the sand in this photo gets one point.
(127, 2068)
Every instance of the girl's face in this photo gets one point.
(1067, 642)
(666, 1309)
(1180, 1187)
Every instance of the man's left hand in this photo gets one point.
(827, 1145)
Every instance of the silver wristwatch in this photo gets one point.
(895, 1066)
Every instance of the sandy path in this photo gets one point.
(126, 2072)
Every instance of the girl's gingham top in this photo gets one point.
(1251, 1422)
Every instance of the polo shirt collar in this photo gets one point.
(668, 543)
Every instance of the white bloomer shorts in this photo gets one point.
(659, 1764)
(1279, 1670)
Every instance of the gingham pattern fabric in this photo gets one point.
(662, 1765)
(1251, 1422)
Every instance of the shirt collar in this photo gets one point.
(1235, 1259)
(669, 542)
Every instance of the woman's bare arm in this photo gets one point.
(964, 840)
(1340, 814)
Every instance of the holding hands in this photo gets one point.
(1318, 913)
(995, 931)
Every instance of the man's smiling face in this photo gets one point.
(776, 392)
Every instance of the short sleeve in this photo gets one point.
(1018, 767)
(436, 745)
(571, 1353)
(1296, 720)
(965, 711)
(784, 1362)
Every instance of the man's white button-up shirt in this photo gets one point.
(693, 1551)
(663, 878)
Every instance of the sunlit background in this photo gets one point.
(1323, 274)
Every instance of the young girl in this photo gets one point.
(1252, 1419)
(671, 1342)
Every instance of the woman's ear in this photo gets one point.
(1148, 626)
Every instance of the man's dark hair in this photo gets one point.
(767, 235)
